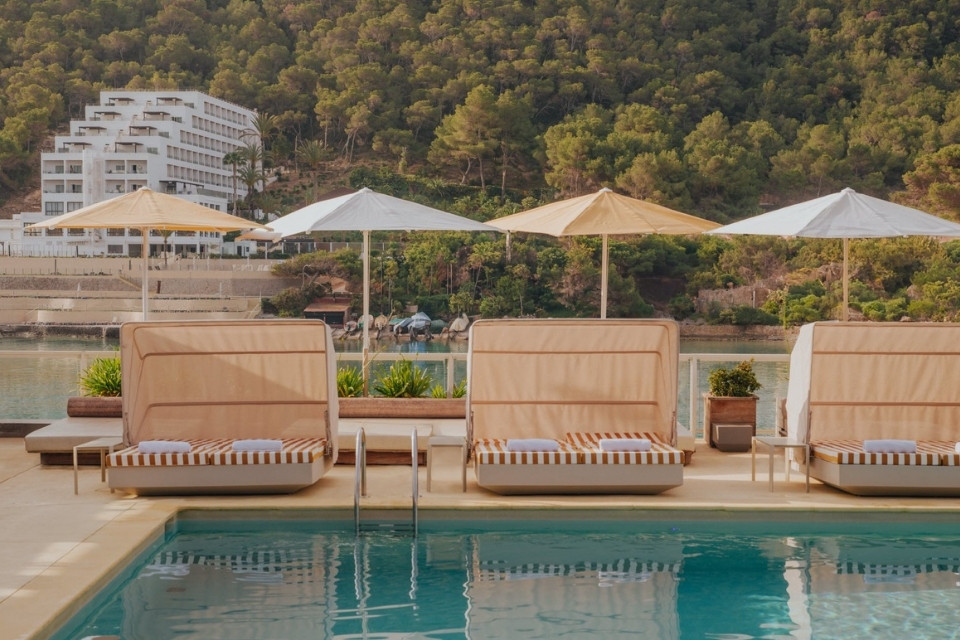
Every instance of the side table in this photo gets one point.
(105, 446)
(447, 441)
(772, 443)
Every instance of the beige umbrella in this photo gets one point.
(146, 210)
(603, 213)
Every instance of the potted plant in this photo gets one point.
(731, 403)
(101, 386)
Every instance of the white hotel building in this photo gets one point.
(169, 141)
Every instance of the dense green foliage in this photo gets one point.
(102, 378)
(403, 380)
(486, 107)
(349, 382)
(739, 381)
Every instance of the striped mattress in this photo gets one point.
(579, 448)
(660, 452)
(851, 452)
(220, 452)
(494, 451)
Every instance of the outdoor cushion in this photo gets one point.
(494, 451)
(851, 452)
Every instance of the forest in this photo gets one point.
(487, 107)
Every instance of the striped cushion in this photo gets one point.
(851, 452)
(494, 451)
(294, 451)
(946, 451)
(131, 456)
(592, 439)
(660, 452)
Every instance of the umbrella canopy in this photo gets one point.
(845, 215)
(366, 211)
(603, 213)
(147, 210)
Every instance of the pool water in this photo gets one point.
(662, 578)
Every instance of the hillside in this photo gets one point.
(483, 108)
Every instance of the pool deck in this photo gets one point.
(55, 545)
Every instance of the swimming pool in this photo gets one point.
(656, 575)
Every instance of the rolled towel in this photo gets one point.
(257, 445)
(532, 444)
(625, 444)
(163, 446)
(890, 446)
(956, 447)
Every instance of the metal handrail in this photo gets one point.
(360, 482)
(416, 491)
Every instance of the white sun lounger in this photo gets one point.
(212, 383)
(857, 381)
(573, 381)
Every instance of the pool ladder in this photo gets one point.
(360, 489)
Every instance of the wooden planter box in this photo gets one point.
(728, 411)
(374, 407)
(94, 407)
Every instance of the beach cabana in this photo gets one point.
(878, 405)
(244, 406)
(548, 401)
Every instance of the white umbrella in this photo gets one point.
(845, 214)
(603, 213)
(147, 210)
(366, 211)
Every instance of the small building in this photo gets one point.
(333, 311)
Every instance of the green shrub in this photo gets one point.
(738, 382)
(459, 390)
(349, 382)
(101, 378)
(403, 380)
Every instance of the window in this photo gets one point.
(53, 208)
(73, 206)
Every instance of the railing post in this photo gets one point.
(692, 399)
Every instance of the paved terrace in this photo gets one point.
(54, 545)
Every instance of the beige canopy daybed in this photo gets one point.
(546, 397)
(865, 395)
(245, 406)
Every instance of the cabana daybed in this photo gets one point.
(255, 399)
(856, 386)
(573, 384)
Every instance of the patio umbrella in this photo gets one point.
(147, 210)
(366, 211)
(845, 215)
(604, 214)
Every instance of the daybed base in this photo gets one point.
(932, 471)
(578, 468)
(212, 467)
(218, 479)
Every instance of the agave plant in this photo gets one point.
(403, 380)
(349, 382)
(101, 378)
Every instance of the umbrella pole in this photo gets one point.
(366, 310)
(845, 312)
(145, 250)
(603, 278)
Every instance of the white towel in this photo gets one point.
(257, 445)
(890, 446)
(625, 444)
(956, 447)
(163, 446)
(532, 444)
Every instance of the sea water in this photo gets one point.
(38, 388)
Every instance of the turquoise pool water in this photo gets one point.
(659, 576)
